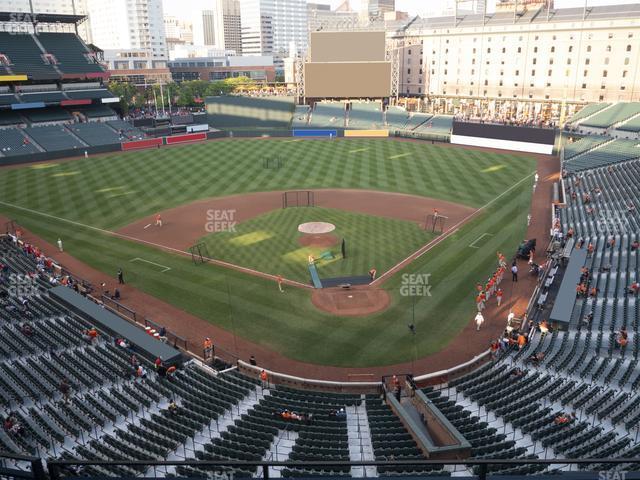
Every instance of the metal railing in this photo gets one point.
(55, 467)
(8, 467)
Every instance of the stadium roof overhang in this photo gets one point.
(36, 18)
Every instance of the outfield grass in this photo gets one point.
(269, 243)
(112, 191)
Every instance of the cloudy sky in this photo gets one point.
(181, 9)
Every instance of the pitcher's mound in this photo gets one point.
(321, 240)
(353, 302)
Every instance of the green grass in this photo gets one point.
(112, 191)
(269, 243)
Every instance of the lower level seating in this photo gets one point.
(54, 137)
(94, 133)
(13, 142)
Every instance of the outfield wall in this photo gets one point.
(366, 133)
(504, 137)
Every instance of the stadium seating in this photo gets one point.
(49, 96)
(327, 114)
(439, 125)
(90, 93)
(507, 409)
(125, 130)
(15, 143)
(611, 190)
(396, 118)
(70, 52)
(605, 154)
(11, 117)
(391, 440)
(587, 111)
(47, 115)
(94, 133)
(8, 99)
(54, 137)
(612, 115)
(95, 111)
(583, 145)
(365, 115)
(25, 56)
(416, 120)
(300, 116)
(250, 112)
(632, 125)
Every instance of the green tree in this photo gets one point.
(125, 91)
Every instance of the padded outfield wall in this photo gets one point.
(504, 137)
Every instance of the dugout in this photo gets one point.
(117, 327)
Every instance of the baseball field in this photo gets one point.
(225, 196)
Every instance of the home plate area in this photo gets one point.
(353, 301)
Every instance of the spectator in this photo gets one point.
(544, 327)
(622, 338)
(26, 329)
(65, 389)
(141, 372)
(522, 341)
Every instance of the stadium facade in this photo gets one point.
(575, 55)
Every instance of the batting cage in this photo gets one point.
(274, 163)
(435, 223)
(199, 253)
(298, 198)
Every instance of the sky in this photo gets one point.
(180, 8)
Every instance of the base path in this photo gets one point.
(465, 346)
(184, 225)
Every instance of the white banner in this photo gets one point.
(502, 144)
(203, 127)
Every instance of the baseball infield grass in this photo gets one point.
(111, 191)
(269, 243)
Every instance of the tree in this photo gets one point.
(126, 92)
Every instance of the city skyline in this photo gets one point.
(414, 7)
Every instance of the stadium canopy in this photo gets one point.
(35, 18)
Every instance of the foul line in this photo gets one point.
(157, 245)
(478, 239)
(164, 267)
(422, 250)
